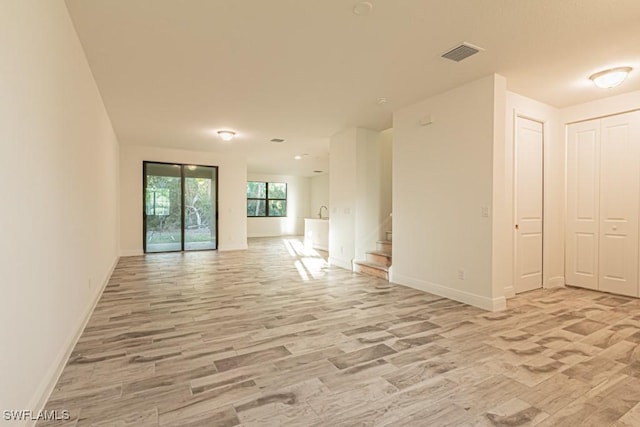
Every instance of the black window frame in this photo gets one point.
(266, 200)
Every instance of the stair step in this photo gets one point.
(379, 257)
(384, 246)
(371, 269)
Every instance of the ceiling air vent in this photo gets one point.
(277, 140)
(462, 51)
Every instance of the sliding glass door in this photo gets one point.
(163, 207)
(200, 207)
(180, 207)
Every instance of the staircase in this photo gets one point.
(377, 262)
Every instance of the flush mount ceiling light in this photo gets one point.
(297, 157)
(226, 135)
(610, 78)
(362, 8)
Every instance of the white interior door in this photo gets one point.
(619, 197)
(528, 204)
(583, 158)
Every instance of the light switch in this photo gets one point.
(484, 211)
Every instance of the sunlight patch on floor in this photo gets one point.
(310, 264)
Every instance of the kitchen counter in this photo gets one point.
(316, 233)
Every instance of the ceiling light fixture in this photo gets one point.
(297, 157)
(610, 78)
(363, 8)
(226, 135)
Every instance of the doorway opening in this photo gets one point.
(180, 207)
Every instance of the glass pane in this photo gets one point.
(163, 208)
(256, 208)
(199, 205)
(277, 208)
(277, 190)
(256, 190)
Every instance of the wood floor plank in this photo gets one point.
(243, 338)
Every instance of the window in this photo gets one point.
(266, 198)
(158, 201)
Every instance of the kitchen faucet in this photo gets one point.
(320, 211)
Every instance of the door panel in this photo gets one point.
(200, 207)
(582, 204)
(528, 204)
(162, 207)
(619, 197)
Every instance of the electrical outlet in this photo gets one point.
(461, 274)
(484, 211)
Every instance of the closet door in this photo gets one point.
(528, 204)
(583, 146)
(619, 199)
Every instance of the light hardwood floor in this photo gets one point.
(272, 336)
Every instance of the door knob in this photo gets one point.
(517, 227)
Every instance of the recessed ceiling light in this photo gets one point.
(297, 157)
(362, 8)
(317, 171)
(226, 135)
(277, 140)
(610, 78)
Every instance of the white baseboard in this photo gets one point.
(131, 252)
(51, 379)
(222, 248)
(555, 282)
(340, 263)
(491, 304)
(509, 292)
(225, 248)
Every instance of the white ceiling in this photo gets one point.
(172, 73)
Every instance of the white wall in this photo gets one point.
(600, 108)
(319, 195)
(298, 196)
(232, 191)
(501, 271)
(554, 194)
(59, 222)
(386, 178)
(359, 215)
(369, 220)
(442, 178)
(342, 193)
